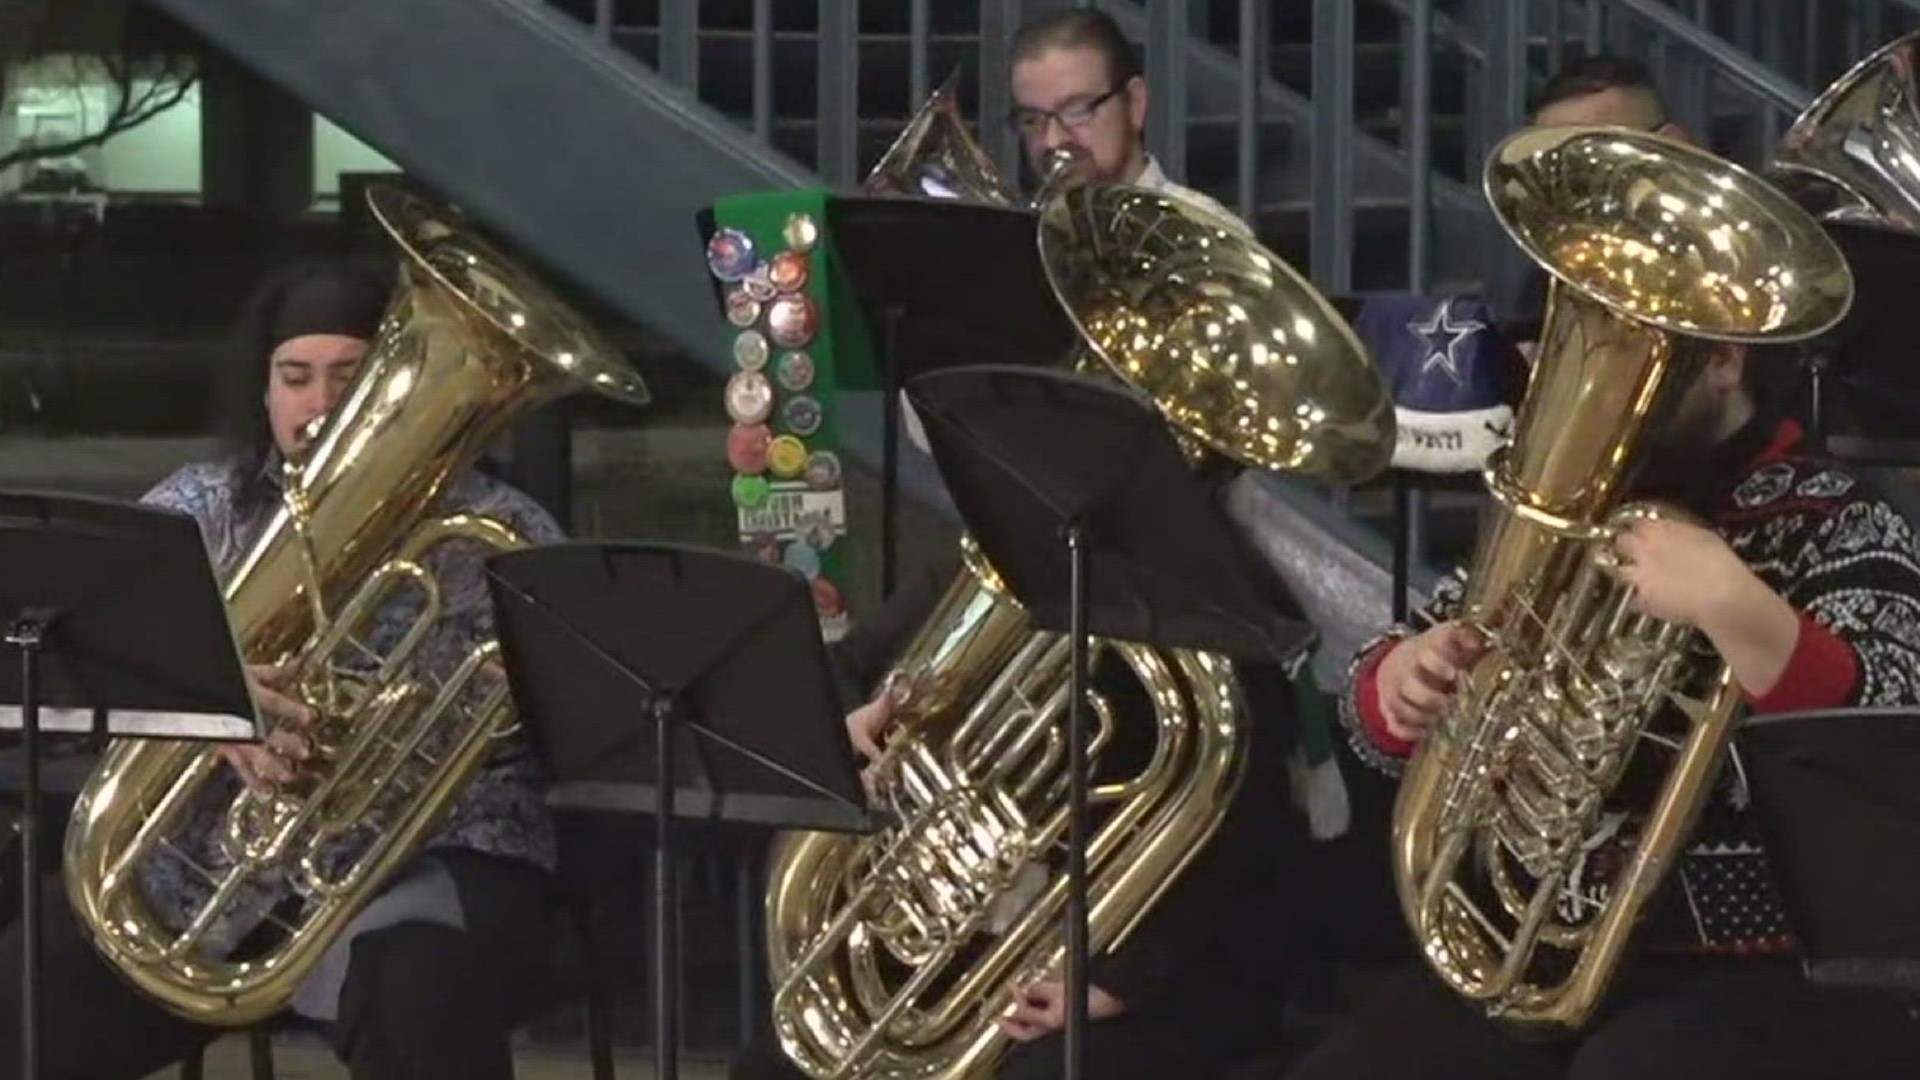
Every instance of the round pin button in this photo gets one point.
(801, 556)
(788, 271)
(791, 321)
(801, 231)
(765, 547)
(749, 397)
(787, 456)
(823, 470)
(750, 350)
(750, 492)
(742, 309)
(759, 285)
(802, 415)
(747, 446)
(795, 371)
(730, 254)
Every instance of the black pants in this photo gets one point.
(421, 1001)
(1669, 1019)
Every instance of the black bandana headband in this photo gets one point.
(329, 303)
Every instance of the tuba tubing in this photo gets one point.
(1656, 250)
(1853, 155)
(468, 344)
(890, 955)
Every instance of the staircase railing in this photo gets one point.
(1721, 92)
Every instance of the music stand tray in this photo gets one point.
(1069, 485)
(117, 622)
(1835, 794)
(695, 679)
(916, 266)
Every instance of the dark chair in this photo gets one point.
(592, 988)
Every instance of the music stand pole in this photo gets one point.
(87, 579)
(733, 664)
(27, 633)
(666, 962)
(1110, 474)
(1077, 945)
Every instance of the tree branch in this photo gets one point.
(128, 111)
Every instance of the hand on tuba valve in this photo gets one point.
(1418, 679)
(266, 765)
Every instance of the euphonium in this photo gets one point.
(1657, 252)
(891, 954)
(935, 157)
(468, 344)
(1854, 154)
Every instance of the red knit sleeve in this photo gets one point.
(1821, 673)
(1366, 703)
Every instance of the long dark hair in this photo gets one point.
(358, 291)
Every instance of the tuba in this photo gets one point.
(935, 157)
(1854, 154)
(891, 954)
(1657, 251)
(468, 344)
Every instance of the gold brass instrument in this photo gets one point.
(935, 157)
(468, 344)
(1854, 154)
(891, 954)
(1657, 251)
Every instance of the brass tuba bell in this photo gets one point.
(469, 343)
(1657, 250)
(936, 157)
(1854, 154)
(891, 954)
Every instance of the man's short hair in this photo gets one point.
(1080, 28)
(1592, 74)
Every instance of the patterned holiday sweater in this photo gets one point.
(1847, 561)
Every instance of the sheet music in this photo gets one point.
(135, 722)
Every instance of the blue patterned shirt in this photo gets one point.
(501, 813)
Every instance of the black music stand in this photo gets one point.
(1862, 394)
(1082, 501)
(1835, 794)
(120, 630)
(627, 660)
(943, 283)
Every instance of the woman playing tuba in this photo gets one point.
(380, 863)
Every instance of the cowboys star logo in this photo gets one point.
(1443, 337)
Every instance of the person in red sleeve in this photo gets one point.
(1808, 586)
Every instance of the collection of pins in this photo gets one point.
(788, 493)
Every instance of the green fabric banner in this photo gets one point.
(797, 340)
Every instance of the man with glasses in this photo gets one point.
(1077, 82)
(1193, 988)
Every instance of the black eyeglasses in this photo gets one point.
(1073, 114)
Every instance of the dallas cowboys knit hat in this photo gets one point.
(1447, 368)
